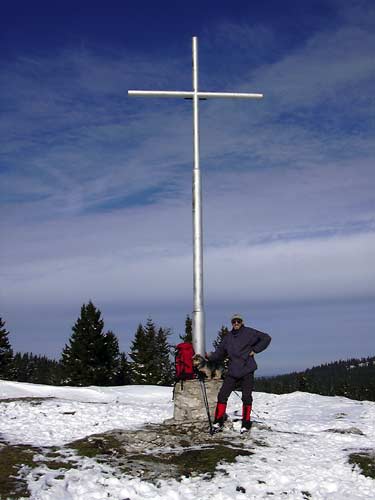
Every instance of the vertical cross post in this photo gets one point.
(198, 311)
(195, 95)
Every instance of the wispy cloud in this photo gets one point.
(127, 255)
(97, 185)
(70, 122)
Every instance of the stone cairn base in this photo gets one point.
(189, 406)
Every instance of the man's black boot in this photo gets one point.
(246, 426)
(218, 425)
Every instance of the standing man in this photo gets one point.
(239, 345)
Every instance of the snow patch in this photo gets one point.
(295, 456)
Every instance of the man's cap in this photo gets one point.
(237, 316)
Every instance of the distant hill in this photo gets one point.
(353, 378)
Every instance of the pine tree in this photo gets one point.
(112, 359)
(138, 352)
(124, 376)
(188, 337)
(352, 378)
(163, 355)
(150, 355)
(220, 335)
(6, 353)
(150, 359)
(219, 338)
(92, 357)
(36, 369)
(22, 367)
(54, 372)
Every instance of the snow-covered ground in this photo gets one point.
(307, 456)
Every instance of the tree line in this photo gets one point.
(92, 357)
(353, 378)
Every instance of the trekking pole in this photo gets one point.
(205, 399)
(236, 393)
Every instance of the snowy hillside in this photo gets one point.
(300, 442)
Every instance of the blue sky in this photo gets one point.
(96, 186)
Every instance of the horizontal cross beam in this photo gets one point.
(187, 95)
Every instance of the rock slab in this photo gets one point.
(189, 401)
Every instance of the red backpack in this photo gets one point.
(184, 361)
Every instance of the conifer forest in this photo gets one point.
(92, 357)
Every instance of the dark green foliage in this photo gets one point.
(92, 357)
(353, 378)
(188, 336)
(111, 359)
(124, 376)
(220, 335)
(219, 338)
(6, 353)
(140, 356)
(35, 369)
(163, 355)
(150, 356)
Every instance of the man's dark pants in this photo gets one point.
(230, 383)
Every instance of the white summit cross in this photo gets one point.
(195, 95)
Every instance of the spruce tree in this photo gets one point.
(92, 357)
(219, 338)
(6, 353)
(163, 355)
(20, 364)
(124, 376)
(188, 336)
(138, 352)
(220, 335)
(150, 362)
(150, 358)
(36, 369)
(112, 359)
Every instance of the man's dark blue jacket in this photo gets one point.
(237, 346)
